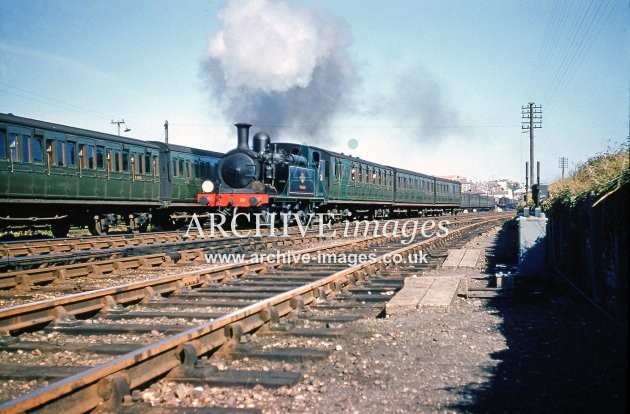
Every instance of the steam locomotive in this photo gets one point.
(301, 179)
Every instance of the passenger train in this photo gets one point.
(301, 179)
(56, 175)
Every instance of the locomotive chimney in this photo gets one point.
(243, 136)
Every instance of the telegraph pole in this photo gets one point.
(532, 118)
(563, 162)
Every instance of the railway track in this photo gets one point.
(193, 314)
(119, 261)
(79, 271)
(21, 248)
(21, 256)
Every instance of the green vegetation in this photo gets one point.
(597, 177)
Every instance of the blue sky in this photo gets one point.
(433, 86)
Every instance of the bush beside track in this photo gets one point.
(588, 231)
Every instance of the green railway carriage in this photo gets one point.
(351, 185)
(414, 189)
(183, 170)
(416, 192)
(58, 175)
(355, 186)
(477, 202)
(448, 193)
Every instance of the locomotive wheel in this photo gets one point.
(304, 214)
(265, 216)
(97, 229)
(60, 228)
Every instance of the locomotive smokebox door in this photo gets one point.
(237, 170)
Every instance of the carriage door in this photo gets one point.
(136, 172)
(165, 176)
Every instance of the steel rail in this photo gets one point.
(24, 279)
(104, 386)
(19, 248)
(46, 311)
(67, 245)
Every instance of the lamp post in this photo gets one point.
(122, 121)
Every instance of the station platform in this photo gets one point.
(440, 288)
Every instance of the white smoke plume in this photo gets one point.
(280, 66)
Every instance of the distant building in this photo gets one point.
(502, 188)
(466, 184)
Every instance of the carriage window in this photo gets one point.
(89, 157)
(99, 157)
(59, 154)
(38, 150)
(174, 167)
(188, 169)
(147, 164)
(25, 147)
(125, 160)
(139, 163)
(354, 174)
(316, 157)
(156, 170)
(117, 164)
(70, 154)
(181, 167)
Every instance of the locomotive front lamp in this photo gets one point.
(207, 186)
